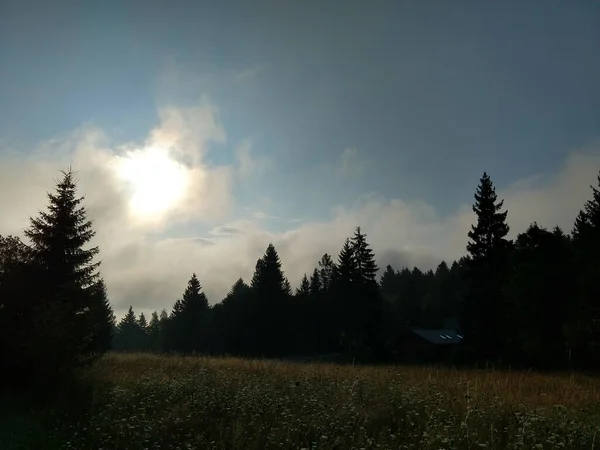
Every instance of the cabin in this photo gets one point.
(424, 345)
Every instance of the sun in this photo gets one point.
(156, 182)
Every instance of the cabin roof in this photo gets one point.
(439, 337)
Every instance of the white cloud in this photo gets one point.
(350, 163)
(150, 273)
(188, 131)
(249, 72)
(247, 163)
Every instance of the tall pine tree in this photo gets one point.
(272, 305)
(186, 330)
(586, 240)
(366, 299)
(486, 315)
(68, 278)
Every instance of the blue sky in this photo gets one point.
(423, 96)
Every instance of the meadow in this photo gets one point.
(142, 401)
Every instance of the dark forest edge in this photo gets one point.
(532, 302)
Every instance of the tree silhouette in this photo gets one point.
(130, 336)
(186, 331)
(102, 321)
(272, 299)
(486, 314)
(304, 289)
(531, 303)
(540, 289)
(65, 308)
(586, 240)
(155, 333)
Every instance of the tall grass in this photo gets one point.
(163, 402)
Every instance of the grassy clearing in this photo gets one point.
(159, 402)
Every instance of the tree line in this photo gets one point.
(529, 302)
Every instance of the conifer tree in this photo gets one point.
(540, 290)
(142, 322)
(326, 272)
(287, 287)
(315, 287)
(304, 289)
(345, 269)
(487, 237)
(271, 291)
(586, 241)
(102, 321)
(193, 295)
(186, 329)
(389, 283)
(364, 260)
(238, 290)
(367, 303)
(268, 279)
(154, 333)
(587, 223)
(68, 276)
(130, 336)
(236, 323)
(486, 314)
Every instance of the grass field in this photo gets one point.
(161, 402)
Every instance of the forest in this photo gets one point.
(532, 302)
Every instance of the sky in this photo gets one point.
(201, 131)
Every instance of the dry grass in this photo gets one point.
(148, 402)
(529, 389)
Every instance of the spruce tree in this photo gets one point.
(287, 287)
(389, 282)
(364, 260)
(154, 333)
(272, 308)
(345, 269)
(186, 330)
(315, 286)
(68, 276)
(304, 289)
(366, 299)
(487, 237)
(142, 322)
(239, 289)
(130, 336)
(541, 289)
(586, 242)
(486, 315)
(237, 321)
(587, 223)
(102, 321)
(268, 279)
(193, 295)
(326, 272)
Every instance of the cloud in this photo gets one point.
(260, 215)
(148, 271)
(188, 131)
(350, 163)
(247, 163)
(249, 73)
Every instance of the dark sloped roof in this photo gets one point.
(442, 337)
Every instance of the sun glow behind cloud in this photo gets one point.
(156, 182)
